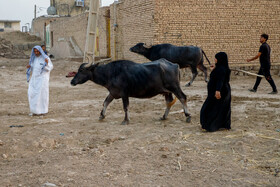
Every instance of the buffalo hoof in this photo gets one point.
(188, 85)
(163, 118)
(101, 117)
(125, 123)
(188, 120)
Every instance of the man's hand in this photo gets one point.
(218, 95)
(254, 58)
(46, 60)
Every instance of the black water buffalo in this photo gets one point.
(126, 79)
(184, 56)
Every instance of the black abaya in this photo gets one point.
(216, 113)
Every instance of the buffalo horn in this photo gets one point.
(88, 64)
(147, 46)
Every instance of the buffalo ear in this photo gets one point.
(82, 66)
(92, 67)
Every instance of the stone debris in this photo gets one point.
(4, 156)
(7, 50)
(48, 184)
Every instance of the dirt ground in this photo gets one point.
(71, 147)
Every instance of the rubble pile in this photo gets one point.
(20, 38)
(8, 50)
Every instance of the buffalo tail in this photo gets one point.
(206, 57)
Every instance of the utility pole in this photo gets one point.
(91, 31)
(35, 11)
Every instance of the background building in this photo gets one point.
(9, 25)
(70, 7)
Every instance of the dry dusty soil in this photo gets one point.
(70, 147)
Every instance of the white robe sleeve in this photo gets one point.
(49, 67)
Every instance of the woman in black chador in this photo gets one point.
(216, 112)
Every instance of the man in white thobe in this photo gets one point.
(38, 90)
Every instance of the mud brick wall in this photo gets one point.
(233, 26)
(103, 32)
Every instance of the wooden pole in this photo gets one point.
(247, 72)
(91, 32)
(35, 10)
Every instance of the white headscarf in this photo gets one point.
(32, 57)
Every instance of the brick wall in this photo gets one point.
(103, 19)
(134, 19)
(233, 26)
